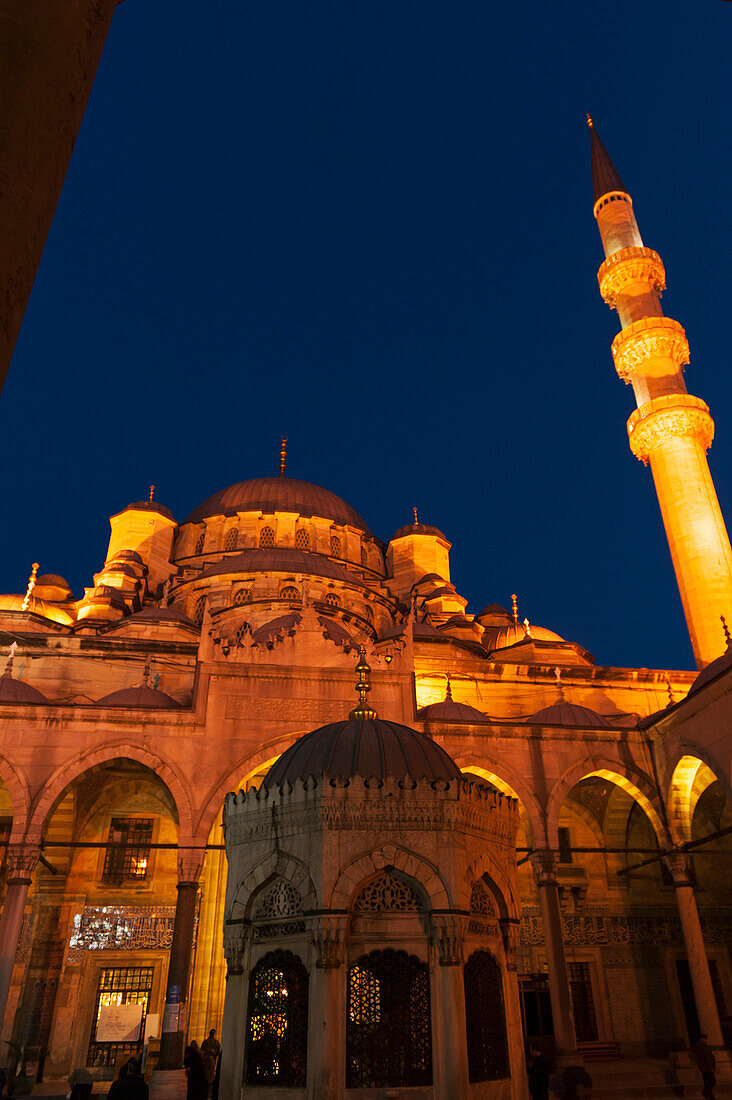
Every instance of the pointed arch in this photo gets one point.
(64, 775)
(690, 778)
(507, 782)
(275, 865)
(498, 882)
(634, 782)
(390, 855)
(20, 798)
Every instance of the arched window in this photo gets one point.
(332, 599)
(485, 1017)
(266, 538)
(199, 544)
(289, 592)
(200, 609)
(335, 546)
(388, 1023)
(302, 541)
(277, 1022)
(231, 539)
(386, 894)
(364, 555)
(278, 912)
(242, 595)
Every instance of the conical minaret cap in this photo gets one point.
(605, 176)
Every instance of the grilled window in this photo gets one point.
(289, 592)
(231, 539)
(388, 1023)
(242, 595)
(302, 540)
(119, 986)
(199, 544)
(332, 599)
(485, 1018)
(199, 610)
(335, 546)
(277, 1025)
(128, 850)
(364, 556)
(266, 538)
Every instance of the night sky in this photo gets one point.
(369, 226)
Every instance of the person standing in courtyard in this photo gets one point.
(707, 1064)
(197, 1084)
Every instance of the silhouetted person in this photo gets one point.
(197, 1083)
(707, 1064)
(540, 1072)
(210, 1050)
(81, 1084)
(129, 1084)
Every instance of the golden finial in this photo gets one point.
(725, 628)
(152, 492)
(363, 712)
(670, 692)
(31, 586)
(283, 456)
(11, 658)
(590, 123)
(514, 607)
(448, 689)
(527, 628)
(414, 510)
(560, 685)
(146, 671)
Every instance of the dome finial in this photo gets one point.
(514, 607)
(11, 658)
(152, 494)
(560, 685)
(448, 689)
(414, 510)
(31, 586)
(527, 628)
(363, 712)
(590, 123)
(725, 628)
(283, 456)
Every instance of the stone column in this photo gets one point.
(544, 862)
(49, 53)
(679, 866)
(190, 862)
(233, 1029)
(21, 862)
(451, 1063)
(326, 1042)
(511, 932)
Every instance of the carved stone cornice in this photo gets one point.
(328, 931)
(630, 267)
(649, 338)
(545, 863)
(21, 863)
(235, 938)
(511, 933)
(670, 417)
(190, 865)
(449, 933)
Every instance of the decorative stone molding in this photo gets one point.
(328, 935)
(235, 938)
(545, 863)
(21, 863)
(628, 267)
(449, 932)
(649, 338)
(511, 933)
(670, 417)
(678, 865)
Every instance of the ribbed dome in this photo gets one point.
(449, 711)
(278, 494)
(512, 633)
(363, 747)
(714, 669)
(141, 696)
(567, 714)
(15, 691)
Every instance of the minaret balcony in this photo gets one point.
(628, 268)
(652, 338)
(665, 418)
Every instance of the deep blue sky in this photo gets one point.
(369, 226)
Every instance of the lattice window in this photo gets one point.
(485, 1018)
(481, 902)
(199, 544)
(386, 894)
(128, 850)
(232, 537)
(199, 610)
(266, 538)
(119, 986)
(302, 539)
(388, 1022)
(364, 555)
(332, 599)
(277, 1025)
(289, 592)
(335, 546)
(280, 901)
(242, 633)
(242, 595)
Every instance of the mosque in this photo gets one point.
(451, 834)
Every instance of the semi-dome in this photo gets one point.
(567, 714)
(711, 671)
(278, 494)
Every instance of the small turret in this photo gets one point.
(146, 527)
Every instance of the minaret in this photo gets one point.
(670, 430)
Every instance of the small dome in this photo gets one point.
(16, 691)
(714, 669)
(567, 714)
(501, 637)
(53, 580)
(278, 494)
(493, 610)
(363, 747)
(418, 529)
(428, 578)
(142, 696)
(150, 506)
(450, 711)
(128, 555)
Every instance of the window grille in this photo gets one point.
(232, 536)
(386, 894)
(277, 1024)
(279, 913)
(332, 599)
(302, 540)
(364, 556)
(388, 1022)
(128, 850)
(242, 595)
(119, 986)
(485, 1018)
(266, 538)
(199, 544)
(289, 592)
(335, 546)
(481, 902)
(200, 609)
(583, 1003)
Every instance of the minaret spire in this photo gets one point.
(670, 430)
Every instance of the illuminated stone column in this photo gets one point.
(49, 53)
(544, 863)
(511, 932)
(21, 862)
(235, 1006)
(172, 1040)
(326, 1025)
(670, 430)
(451, 1063)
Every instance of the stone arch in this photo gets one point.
(117, 793)
(497, 881)
(507, 782)
(66, 773)
(634, 782)
(19, 796)
(275, 865)
(690, 778)
(409, 863)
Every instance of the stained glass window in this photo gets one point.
(277, 1023)
(388, 1023)
(485, 1018)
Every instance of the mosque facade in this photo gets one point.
(556, 853)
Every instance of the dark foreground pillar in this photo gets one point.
(175, 1015)
(22, 860)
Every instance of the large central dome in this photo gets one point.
(278, 494)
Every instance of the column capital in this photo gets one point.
(328, 932)
(672, 416)
(511, 932)
(545, 863)
(651, 338)
(190, 865)
(21, 862)
(235, 939)
(449, 930)
(679, 866)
